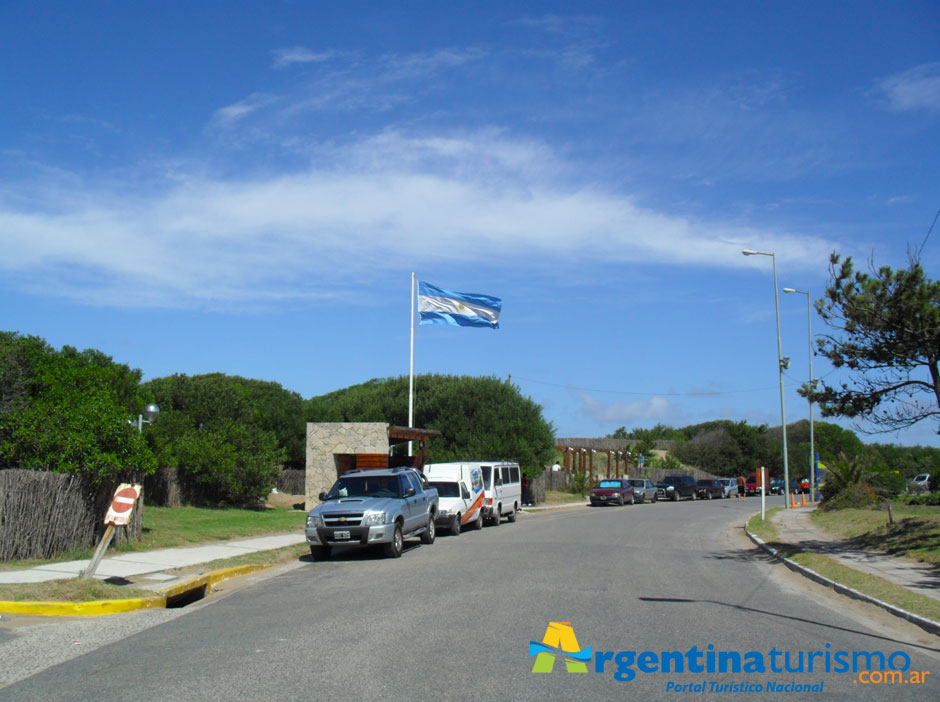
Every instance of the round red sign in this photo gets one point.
(124, 500)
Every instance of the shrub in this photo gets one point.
(859, 496)
(581, 482)
(887, 483)
(934, 482)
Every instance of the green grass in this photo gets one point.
(764, 528)
(71, 590)
(170, 527)
(167, 527)
(914, 534)
(561, 497)
(871, 585)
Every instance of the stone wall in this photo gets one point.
(327, 440)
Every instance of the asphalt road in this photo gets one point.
(454, 621)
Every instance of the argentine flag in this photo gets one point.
(442, 306)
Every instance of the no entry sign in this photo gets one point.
(122, 505)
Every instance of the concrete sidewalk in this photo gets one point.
(148, 568)
(795, 527)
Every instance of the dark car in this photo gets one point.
(612, 492)
(776, 487)
(707, 489)
(676, 487)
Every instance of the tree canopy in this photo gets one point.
(227, 436)
(887, 336)
(480, 418)
(67, 411)
(724, 447)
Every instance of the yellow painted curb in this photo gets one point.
(82, 609)
(100, 607)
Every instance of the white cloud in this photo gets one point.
(297, 54)
(386, 202)
(916, 88)
(623, 413)
(228, 116)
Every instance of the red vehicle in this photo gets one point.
(752, 486)
(612, 492)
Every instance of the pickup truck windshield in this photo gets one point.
(446, 489)
(637, 483)
(363, 486)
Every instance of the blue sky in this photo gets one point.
(247, 187)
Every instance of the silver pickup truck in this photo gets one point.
(370, 507)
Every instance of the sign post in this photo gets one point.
(119, 514)
(762, 485)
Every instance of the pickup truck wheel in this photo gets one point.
(394, 549)
(675, 496)
(655, 498)
(427, 536)
(320, 553)
(455, 525)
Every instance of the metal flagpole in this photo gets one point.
(411, 366)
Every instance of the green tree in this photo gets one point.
(67, 411)
(227, 462)
(227, 436)
(479, 417)
(888, 338)
(204, 399)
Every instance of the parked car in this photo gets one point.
(710, 488)
(776, 486)
(612, 492)
(731, 486)
(805, 485)
(751, 487)
(676, 487)
(367, 508)
(920, 483)
(643, 489)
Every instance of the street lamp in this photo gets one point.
(782, 364)
(812, 385)
(151, 412)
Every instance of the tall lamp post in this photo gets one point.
(782, 364)
(812, 385)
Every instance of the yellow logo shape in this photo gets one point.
(559, 639)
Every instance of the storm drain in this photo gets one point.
(186, 598)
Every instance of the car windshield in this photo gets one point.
(609, 484)
(364, 486)
(446, 489)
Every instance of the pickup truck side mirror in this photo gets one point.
(322, 497)
(410, 492)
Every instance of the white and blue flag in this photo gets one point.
(442, 306)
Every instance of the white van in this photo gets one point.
(502, 486)
(460, 493)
